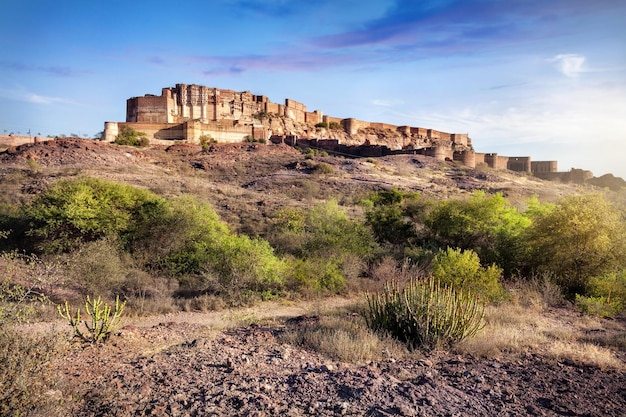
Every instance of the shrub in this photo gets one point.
(332, 234)
(325, 231)
(583, 236)
(192, 240)
(130, 137)
(607, 295)
(462, 270)
(323, 168)
(311, 153)
(485, 224)
(329, 244)
(252, 139)
(72, 212)
(317, 274)
(425, 315)
(26, 373)
(391, 225)
(393, 216)
(205, 141)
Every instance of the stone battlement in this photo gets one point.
(189, 112)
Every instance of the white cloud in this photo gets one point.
(570, 65)
(30, 97)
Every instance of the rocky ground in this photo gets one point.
(178, 368)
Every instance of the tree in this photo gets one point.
(581, 237)
(484, 223)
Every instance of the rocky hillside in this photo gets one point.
(254, 362)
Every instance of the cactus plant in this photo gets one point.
(425, 314)
(102, 322)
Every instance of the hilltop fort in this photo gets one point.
(190, 112)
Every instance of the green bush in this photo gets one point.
(331, 234)
(206, 141)
(581, 237)
(325, 231)
(598, 306)
(130, 137)
(462, 270)
(425, 315)
(395, 216)
(191, 240)
(326, 237)
(317, 274)
(485, 224)
(606, 295)
(390, 224)
(72, 212)
(323, 168)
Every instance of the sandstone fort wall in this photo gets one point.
(17, 140)
(187, 112)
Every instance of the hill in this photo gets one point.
(300, 357)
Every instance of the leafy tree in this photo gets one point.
(328, 243)
(393, 216)
(486, 224)
(317, 274)
(330, 233)
(581, 237)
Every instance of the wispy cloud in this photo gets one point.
(570, 65)
(457, 25)
(285, 60)
(30, 97)
(57, 71)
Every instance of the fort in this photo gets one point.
(191, 113)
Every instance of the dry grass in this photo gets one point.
(586, 354)
(346, 339)
(558, 333)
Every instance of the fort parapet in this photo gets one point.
(189, 112)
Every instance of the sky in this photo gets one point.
(539, 78)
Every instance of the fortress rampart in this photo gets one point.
(188, 112)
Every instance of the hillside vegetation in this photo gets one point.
(442, 251)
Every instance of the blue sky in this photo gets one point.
(545, 78)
